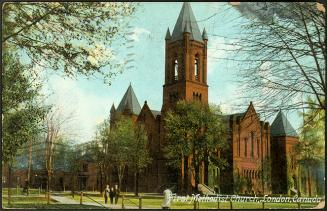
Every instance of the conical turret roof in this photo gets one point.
(282, 127)
(113, 109)
(129, 102)
(168, 36)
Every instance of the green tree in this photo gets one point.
(99, 151)
(127, 145)
(195, 130)
(22, 111)
(120, 144)
(265, 173)
(71, 37)
(56, 124)
(312, 143)
(98, 155)
(73, 164)
(239, 182)
(140, 156)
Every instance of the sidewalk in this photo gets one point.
(65, 200)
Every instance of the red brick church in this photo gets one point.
(258, 150)
(261, 156)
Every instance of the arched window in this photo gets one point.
(196, 68)
(175, 70)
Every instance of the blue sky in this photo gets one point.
(91, 100)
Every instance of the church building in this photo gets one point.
(256, 148)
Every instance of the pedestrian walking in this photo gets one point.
(116, 194)
(112, 195)
(106, 194)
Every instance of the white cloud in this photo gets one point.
(219, 48)
(137, 32)
(89, 109)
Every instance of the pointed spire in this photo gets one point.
(168, 36)
(204, 34)
(282, 127)
(129, 101)
(186, 22)
(113, 109)
(187, 28)
(128, 105)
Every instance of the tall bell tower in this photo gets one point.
(186, 61)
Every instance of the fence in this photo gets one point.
(227, 203)
(260, 204)
(20, 191)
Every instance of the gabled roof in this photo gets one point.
(186, 21)
(129, 102)
(282, 127)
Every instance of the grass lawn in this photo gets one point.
(156, 203)
(40, 203)
(19, 191)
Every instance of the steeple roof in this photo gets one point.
(129, 102)
(113, 109)
(204, 34)
(186, 20)
(282, 127)
(168, 36)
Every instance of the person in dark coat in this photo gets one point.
(116, 194)
(112, 195)
(106, 194)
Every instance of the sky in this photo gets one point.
(90, 100)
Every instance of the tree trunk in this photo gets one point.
(73, 186)
(197, 178)
(182, 176)
(101, 181)
(9, 184)
(119, 182)
(206, 169)
(196, 173)
(105, 178)
(29, 166)
(136, 183)
(48, 187)
(120, 176)
(317, 183)
(309, 181)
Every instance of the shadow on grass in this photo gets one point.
(32, 202)
(52, 206)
